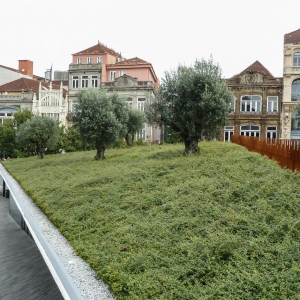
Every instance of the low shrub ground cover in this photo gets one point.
(157, 225)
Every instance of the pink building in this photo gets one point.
(101, 67)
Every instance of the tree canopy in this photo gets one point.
(193, 101)
(37, 134)
(101, 118)
(7, 139)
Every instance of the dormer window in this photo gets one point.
(88, 60)
(296, 59)
(79, 60)
(99, 59)
(122, 73)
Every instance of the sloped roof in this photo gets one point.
(132, 61)
(258, 67)
(27, 85)
(292, 37)
(17, 71)
(98, 49)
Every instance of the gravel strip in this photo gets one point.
(83, 276)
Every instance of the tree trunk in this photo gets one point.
(162, 129)
(128, 140)
(40, 154)
(191, 147)
(100, 152)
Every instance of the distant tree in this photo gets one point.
(22, 116)
(134, 124)
(101, 118)
(196, 102)
(37, 134)
(156, 112)
(7, 139)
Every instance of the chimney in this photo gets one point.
(26, 67)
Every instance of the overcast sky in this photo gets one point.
(163, 32)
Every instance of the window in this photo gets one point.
(129, 101)
(251, 104)
(296, 59)
(79, 60)
(99, 59)
(295, 126)
(250, 130)
(271, 132)
(84, 81)
(112, 75)
(75, 82)
(228, 132)
(94, 81)
(141, 104)
(142, 134)
(6, 113)
(74, 104)
(88, 60)
(122, 73)
(232, 105)
(272, 104)
(296, 90)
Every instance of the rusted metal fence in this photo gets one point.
(285, 152)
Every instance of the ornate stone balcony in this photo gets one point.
(291, 70)
(75, 67)
(19, 97)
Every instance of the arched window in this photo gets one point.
(296, 90)
(296, 59)
(295, 126)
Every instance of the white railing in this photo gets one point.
(58, 270)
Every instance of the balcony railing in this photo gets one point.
(148, 84)
(16, 97)
(73, 67)
(291, 70)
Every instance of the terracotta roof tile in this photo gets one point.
(27, 85)
(132, 61)
(292, 37)
(258, 67)
(98, 49)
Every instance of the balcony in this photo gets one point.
(19, 97)
(140, 84)
(291, 70)
(81, 67)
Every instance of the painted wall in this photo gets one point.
(9, 75)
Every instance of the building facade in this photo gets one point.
(256, 106)
(42, 98)
(100, 67)
(291, 82)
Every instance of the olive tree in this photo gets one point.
(196, 102)
(156, 112)
(101, 118)
(38, 134)
(135, 123)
